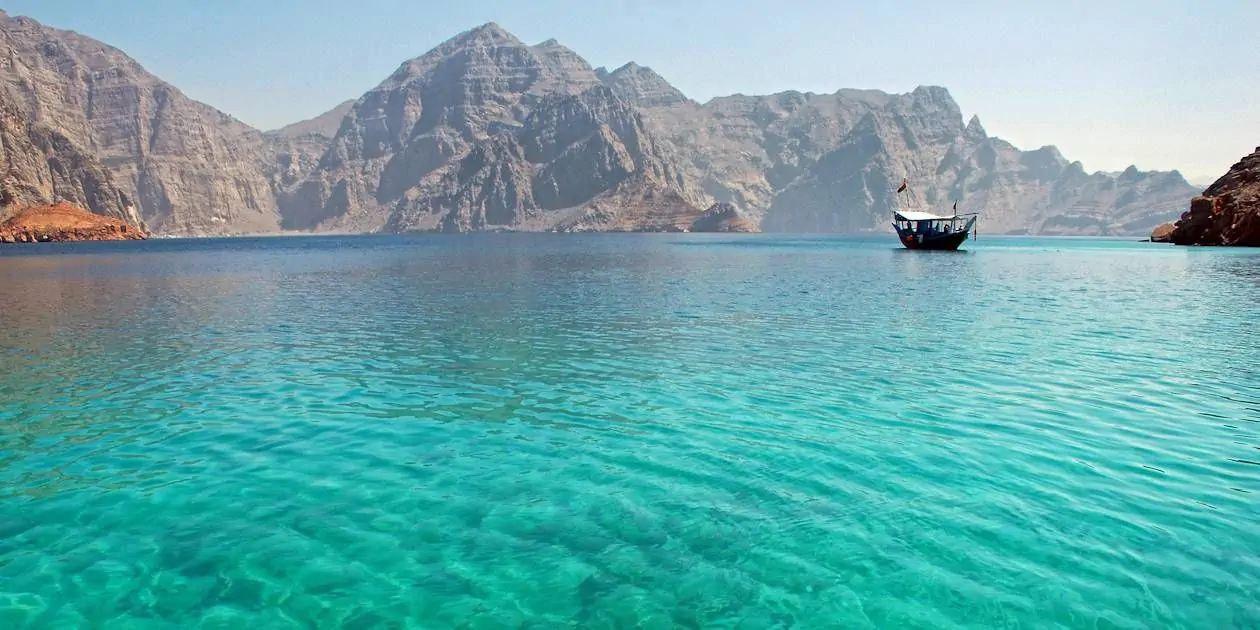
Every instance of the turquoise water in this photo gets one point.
(657, 431)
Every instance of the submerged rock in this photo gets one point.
(64, 222)
(1228, 212)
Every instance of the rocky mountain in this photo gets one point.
(191, 169)
(642, 86)
(41, 166)
(743, 150)
(576, 162)
(1228, 212)
(295, 150)
(487, 132)
(1015, 191)
(831, 163)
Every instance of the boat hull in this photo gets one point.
(939, 242)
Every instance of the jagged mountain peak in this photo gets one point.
(642, 86)
(435, 110)
(629, 67)
(553, 47)
(569, 71)
(491, 48)
(931, 98)
(933, 93)
(483, 38)
(488, 32)
(488, 35)
(1048, 154)
(876, 98)
(975, 130)
(632, 67)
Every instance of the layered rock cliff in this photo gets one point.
(486, 132)
(1228, 212)
(429, 115)
(642, 86)
(723, 217)
(189, 168)
(582, 161)
(41, 166)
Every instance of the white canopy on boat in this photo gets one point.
(909, 215)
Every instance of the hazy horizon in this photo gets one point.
(1163, 85)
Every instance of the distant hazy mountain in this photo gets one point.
(831, 162)
(487, 132)
(325, 124)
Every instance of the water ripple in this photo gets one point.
(646, 431)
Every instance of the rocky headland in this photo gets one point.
(1228, 211)
(1163, 233)
(64, 222)
(723, 217)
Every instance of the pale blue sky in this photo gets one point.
(1160, 83)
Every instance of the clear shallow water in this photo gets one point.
(628, 431)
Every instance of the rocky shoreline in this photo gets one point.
(63, 222)
(1227, 213)
(723, 217)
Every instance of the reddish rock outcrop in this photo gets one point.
(723, 217)
(1228, 212)
(1162, 233)
(64, 222)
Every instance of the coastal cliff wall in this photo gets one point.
(1228, 211)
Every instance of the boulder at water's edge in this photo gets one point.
(1228, 212)
(1162, 233)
